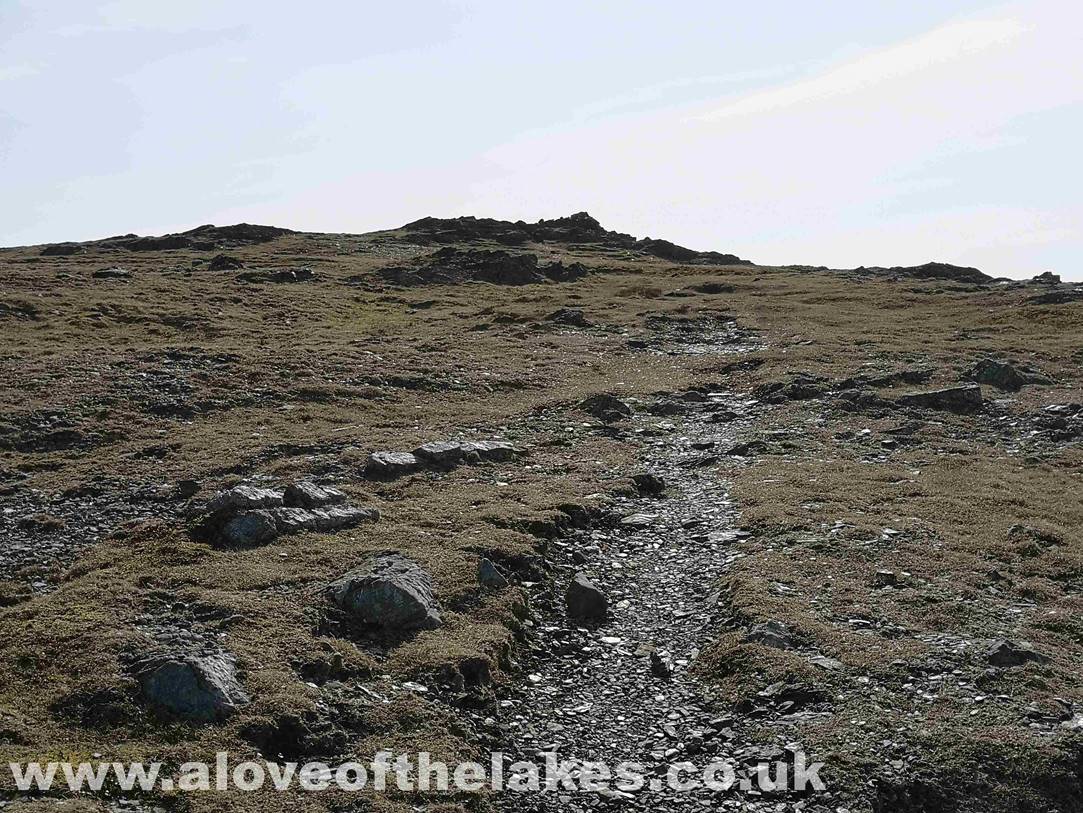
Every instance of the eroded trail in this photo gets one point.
(624, 689)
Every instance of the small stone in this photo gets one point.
(650, 484)
(585, 600)
(489, 576)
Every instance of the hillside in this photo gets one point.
(834, 511)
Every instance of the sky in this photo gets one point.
(836, 133)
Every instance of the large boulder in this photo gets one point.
(389, 591)
(440, 453)
(584, 599)
(965, 398)
(203, 688)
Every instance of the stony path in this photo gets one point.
(596, 693)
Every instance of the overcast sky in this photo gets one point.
(835, 133)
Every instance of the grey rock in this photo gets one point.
(201, 688)
(111, 273)
(440, 453)
(1004, 376)
(292, 520)
(569, 316)
(607, 408)
(386, 465)
(773, 634)
(489, 576)
(243, 498)
(309, 495)
(390, 591)
(1046, 278)
(650, 484)
(585, 600)
(334, 518)
(1005, 653)
(965, 398)
(496, 451)
(250, 528)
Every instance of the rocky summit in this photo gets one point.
(473, 485)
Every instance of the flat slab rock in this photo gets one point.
(202, 688)
(388, 591)
(438, 454)
(966, 398)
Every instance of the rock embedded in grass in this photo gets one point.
(202, 688)
(386, 465)
(306, 494)
(1005, 653)
(388, 591)
(964, 398)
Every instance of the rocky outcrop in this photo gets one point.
(453, 265)
(388, 591)
(245, 516)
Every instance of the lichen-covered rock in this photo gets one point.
(607, 408)
(203, 688)
(496, 451)
(389, 591)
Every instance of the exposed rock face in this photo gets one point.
(489, 575)
(224, 262)
(278, 275)
(585, 600)
(1061, 296)
(389, 591)
(452, 265)
(577, 229)
(650, 484)
(202, 688)
(111, 273)
(965, 398)
(243, 498)
(62, 250)
(569, 316)
(440, 453)
(1005, 376)
(935, 270)
(1046, 278)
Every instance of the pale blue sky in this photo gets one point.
(835, 133)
